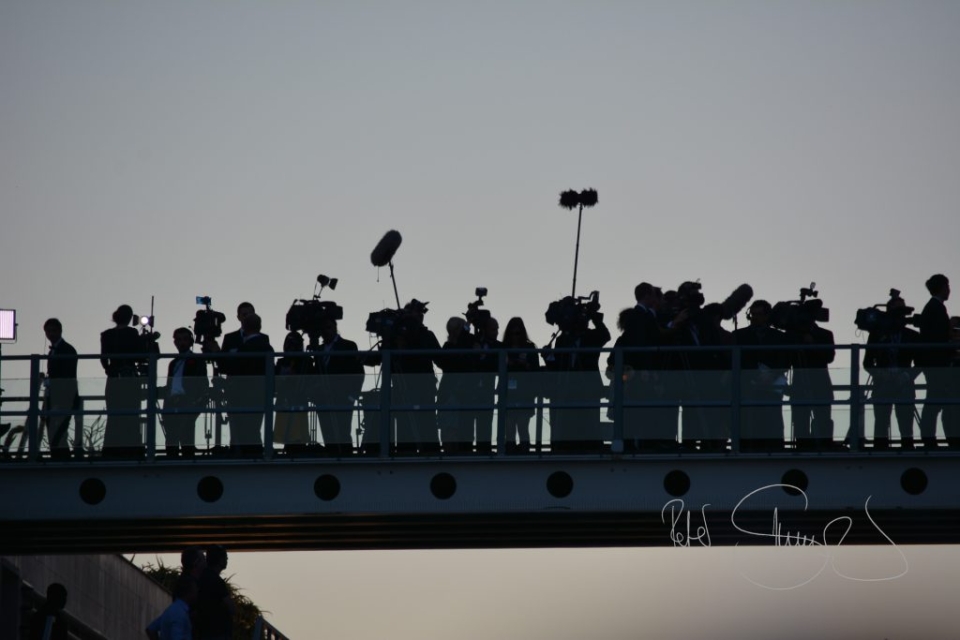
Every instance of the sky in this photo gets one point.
(239, 149)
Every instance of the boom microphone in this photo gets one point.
(383, 253)
(736, 301)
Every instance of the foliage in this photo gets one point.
(245, 617)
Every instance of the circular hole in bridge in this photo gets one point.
(93, 491)
(210, 489)
(560, 484)
(676, 483)
(797, 480)
(443, 486)
(327, 487)
(914, 481)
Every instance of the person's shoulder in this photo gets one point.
(67, 348)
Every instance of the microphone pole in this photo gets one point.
(576, 254)
(394, 281)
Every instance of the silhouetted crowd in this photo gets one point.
(671, 375)
(203, 607)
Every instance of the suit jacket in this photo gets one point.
(935, 329)
(62, 368)
(775, 357)
(343, 374)
(640, 329)
(256, 347)
(233, 343)
(812, 358)
(195, 382)
(113, 344)
(891, 350)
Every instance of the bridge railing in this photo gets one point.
(664, 400)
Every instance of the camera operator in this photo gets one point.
(184, 397)
(119, 347)
(456, 430)
(485, 366)
(763, 380)
(812, 424)
(889, 358)
(936, 363)
(341, 379)
(579, 380)
(414, 382)
(62, 394)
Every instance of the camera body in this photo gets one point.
(880, 318)
(207, 323)
(476, 316)
(798, 315)
(309, 316)
(569, 312)
(385, 324)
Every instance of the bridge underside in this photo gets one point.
(551, 501)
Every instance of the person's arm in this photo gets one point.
(153, 629)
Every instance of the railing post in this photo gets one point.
(33, 415)
(78, 415)
(736, 390)
(269, 389)
(152, 407)
(502, 395)
(385, 414)
(856, 408)
(618, 386)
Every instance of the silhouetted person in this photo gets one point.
(341, 374)
(185, 396)
(523, 367)
(763, 380)
(935, 329)
(175, 622)
(50, 615)
(215, 606)
(62, 390)
(483, 383)
(293, 383)
(889, 359)
(118, 348)
(578, 381)
(415, 383)
(456, 428)
(192, 563)
(812, 424)
(248, 384)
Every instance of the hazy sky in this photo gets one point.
(238, 149)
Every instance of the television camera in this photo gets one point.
(570, 312)
(207, 323)
(387, 324)
(797, 315)
(476, 316)
(309, 316)
(881, 318)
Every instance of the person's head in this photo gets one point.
(250, 324)
(53, 330)
(414, 311)
(515, 333)
(328, 330)
(182, 339)
(293, 342)
(123, 315)
(217, 558)
(645, 294)
(192, 561)
(56, 596)
(625, 318)
(938, 285)
(244, 309)
(491, 328)
(759, 313)
(455, 327)
(186, 589)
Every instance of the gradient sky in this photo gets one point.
(238, 149)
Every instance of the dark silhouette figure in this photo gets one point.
(118, 347)
(523, 367)
(215, 606)
(50, 614)
(763, 380)
(185, 396)
(293, 382)
(482, 387)
(577, 380)
(456, 428)
(812, 424)
(889, 358)
(62, 394)
(935, 329)
(248, 386)
(337, 362)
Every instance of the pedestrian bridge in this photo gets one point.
(612, 484)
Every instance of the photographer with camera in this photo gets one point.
(119, 348)
(481, 389)
(889, 359)
(185, 397)
(941, 377)
(337, 362)
(576, 374)
(763, 380)
(413, 380)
